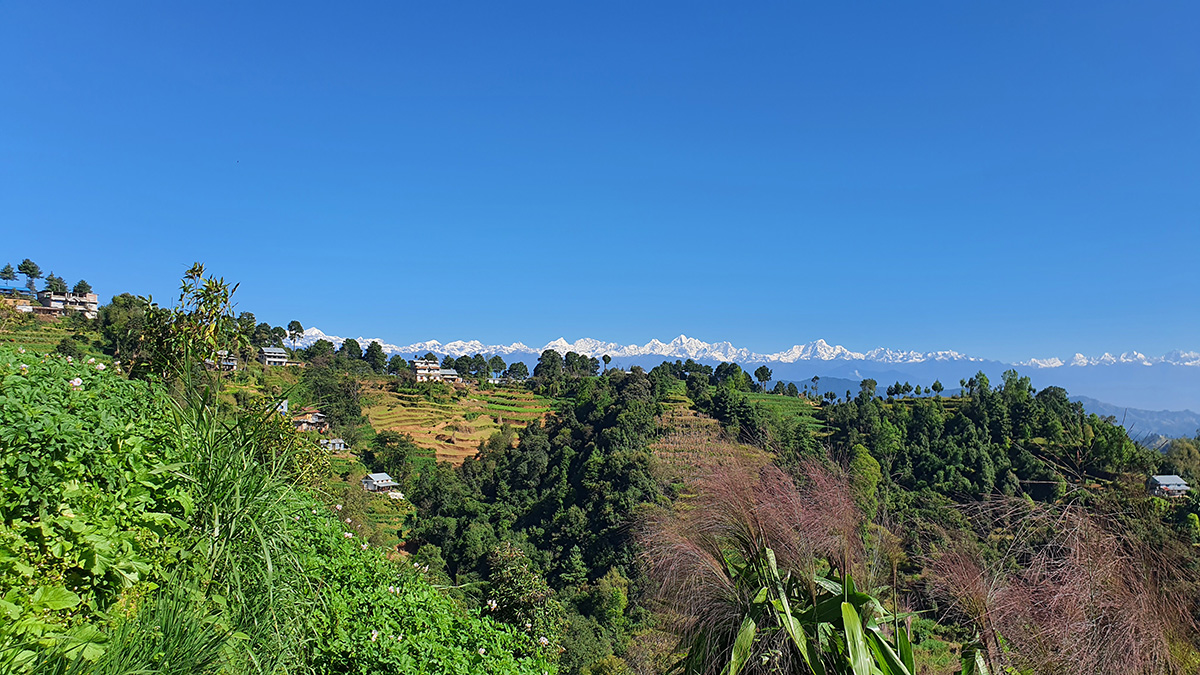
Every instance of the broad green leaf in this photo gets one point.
(885, 658)
(54, 597)
(856, 644)
(742, 646)
(904, 645)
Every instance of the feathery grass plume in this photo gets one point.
(1071, 594)
(750, 531)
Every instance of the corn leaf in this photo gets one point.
(856, 644)
(742, 646)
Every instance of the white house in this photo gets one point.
(377, 482)
(429, 370)
(273, 356)
(1168, 485)
(334, 444)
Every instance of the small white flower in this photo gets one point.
(24, 367)
(76, 383)
(492, 605)
(348, 535)
(99, 366)
(528, 625)
(297, 517)
(314, 512)
(364, 547)
(338, 507)
(374, 635)
(347, 520)
(482, 651)
(543, 640)
(391, 589)
(69, 359)
(92, 360)
(20, 350)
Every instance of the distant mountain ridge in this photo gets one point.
(684, 347)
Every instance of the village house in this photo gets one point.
(273, 356)
(429, 370)
(61, 303)
(311, 419)
(378, 482)
(334, 444)
(1168, 485)
(224, 361)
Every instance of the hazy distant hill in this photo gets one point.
(1139, 423)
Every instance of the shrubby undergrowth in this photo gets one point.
(140, 531)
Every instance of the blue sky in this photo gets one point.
(1006, 179)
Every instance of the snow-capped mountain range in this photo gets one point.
(684, 347)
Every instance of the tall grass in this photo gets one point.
(250, 550)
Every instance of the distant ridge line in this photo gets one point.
(684, 347)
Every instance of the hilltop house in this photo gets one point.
(376, 482)
(311, 419)
(429, 370)
(58, 304)
(1168, 485)
(273, 356)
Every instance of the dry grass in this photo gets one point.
(1072, 595)
(739, 509)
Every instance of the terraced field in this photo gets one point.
(453, 427)
(790, 405)
(692, 442)
(43, 336)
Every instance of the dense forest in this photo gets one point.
(693, 518)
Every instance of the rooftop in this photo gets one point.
(274, 351)
(377, 477)
(1169, 479)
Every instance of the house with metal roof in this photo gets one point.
(273, 356)
(376, 482)
(1167, 485)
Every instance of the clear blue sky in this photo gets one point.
(1007, 179)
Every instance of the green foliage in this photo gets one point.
(994, 441)
(30, 269)
(91, 498)
(375, 357)
(55, 284)
(864, 480)
(520, 597)
(123, 324)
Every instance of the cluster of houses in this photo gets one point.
(311, 419)
(51, 304)
(268, 356)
